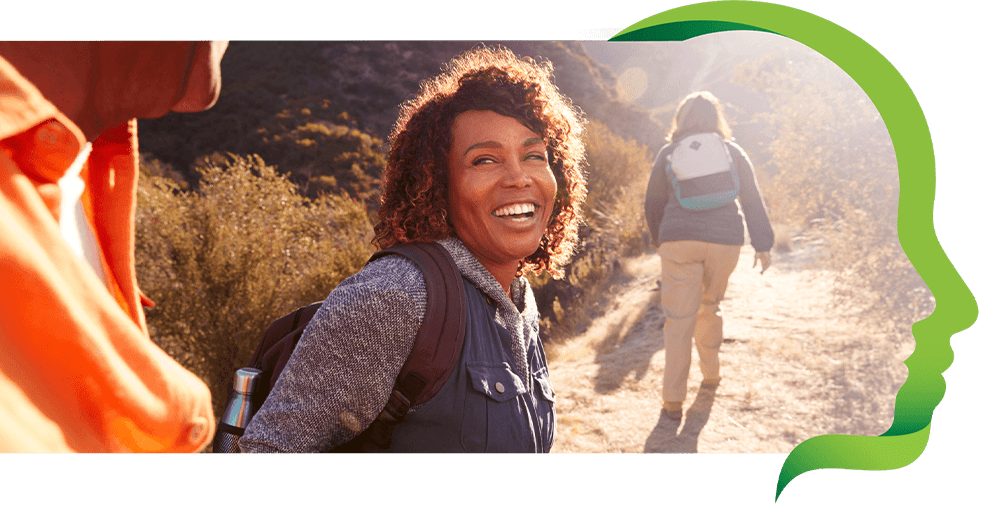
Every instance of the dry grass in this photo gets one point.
(833, 170)
(615, 229)
(223, 262)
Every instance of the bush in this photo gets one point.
(224, 262)
(875, 272)
(834, 169)
(324, 156)
(618, 171)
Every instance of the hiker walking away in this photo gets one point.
(487, 161)
(693, 218)
(78, 371)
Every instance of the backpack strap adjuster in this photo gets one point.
(395, 410)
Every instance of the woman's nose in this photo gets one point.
(516, 174)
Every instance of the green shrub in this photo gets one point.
(223, 262)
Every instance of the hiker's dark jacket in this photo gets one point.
(341, 373)
(668, 221)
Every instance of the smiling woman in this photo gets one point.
(486, 161)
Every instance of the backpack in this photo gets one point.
(702, 172)
(435, 351)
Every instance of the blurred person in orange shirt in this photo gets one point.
(78, 371)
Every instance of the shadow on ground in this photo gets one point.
(627, 350)
(665, 437)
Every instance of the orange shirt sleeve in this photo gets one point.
(78, 371)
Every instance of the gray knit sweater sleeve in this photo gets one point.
(342, 371)
(757, 220)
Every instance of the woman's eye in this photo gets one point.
(536, 156)
(483, 160)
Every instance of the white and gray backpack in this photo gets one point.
(702, 173)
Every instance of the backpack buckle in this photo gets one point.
(395, 409)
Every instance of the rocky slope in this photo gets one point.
(360, 85)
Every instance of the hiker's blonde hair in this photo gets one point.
(699, 112)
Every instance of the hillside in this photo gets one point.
(358, 85)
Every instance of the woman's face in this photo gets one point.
(501, 189)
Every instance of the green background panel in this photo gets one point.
(938, 48)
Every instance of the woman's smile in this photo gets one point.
(516, 211)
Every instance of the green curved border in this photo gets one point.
(681, 30)
(956, 308)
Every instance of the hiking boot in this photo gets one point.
(673, 410)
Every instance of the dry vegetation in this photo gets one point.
(222, 262)
(833, 169)
(615, 228)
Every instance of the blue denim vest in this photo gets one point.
(485, 406)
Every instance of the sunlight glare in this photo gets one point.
(632, 84)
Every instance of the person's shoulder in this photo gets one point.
(665, 149)
(391, 268)
(736, 150)
(392, 273)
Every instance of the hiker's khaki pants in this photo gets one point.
(694, 279)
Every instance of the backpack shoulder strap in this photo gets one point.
(436, 348)
(442, 332)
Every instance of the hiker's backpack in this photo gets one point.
(435, 351)
(702, 172)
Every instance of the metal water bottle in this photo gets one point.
(239, 409)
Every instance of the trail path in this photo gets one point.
(795, 364)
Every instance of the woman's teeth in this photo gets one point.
(524, 210)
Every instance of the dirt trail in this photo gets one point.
(795, 364)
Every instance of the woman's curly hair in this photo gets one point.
(414, 203)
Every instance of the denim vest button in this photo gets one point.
(499, 386)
